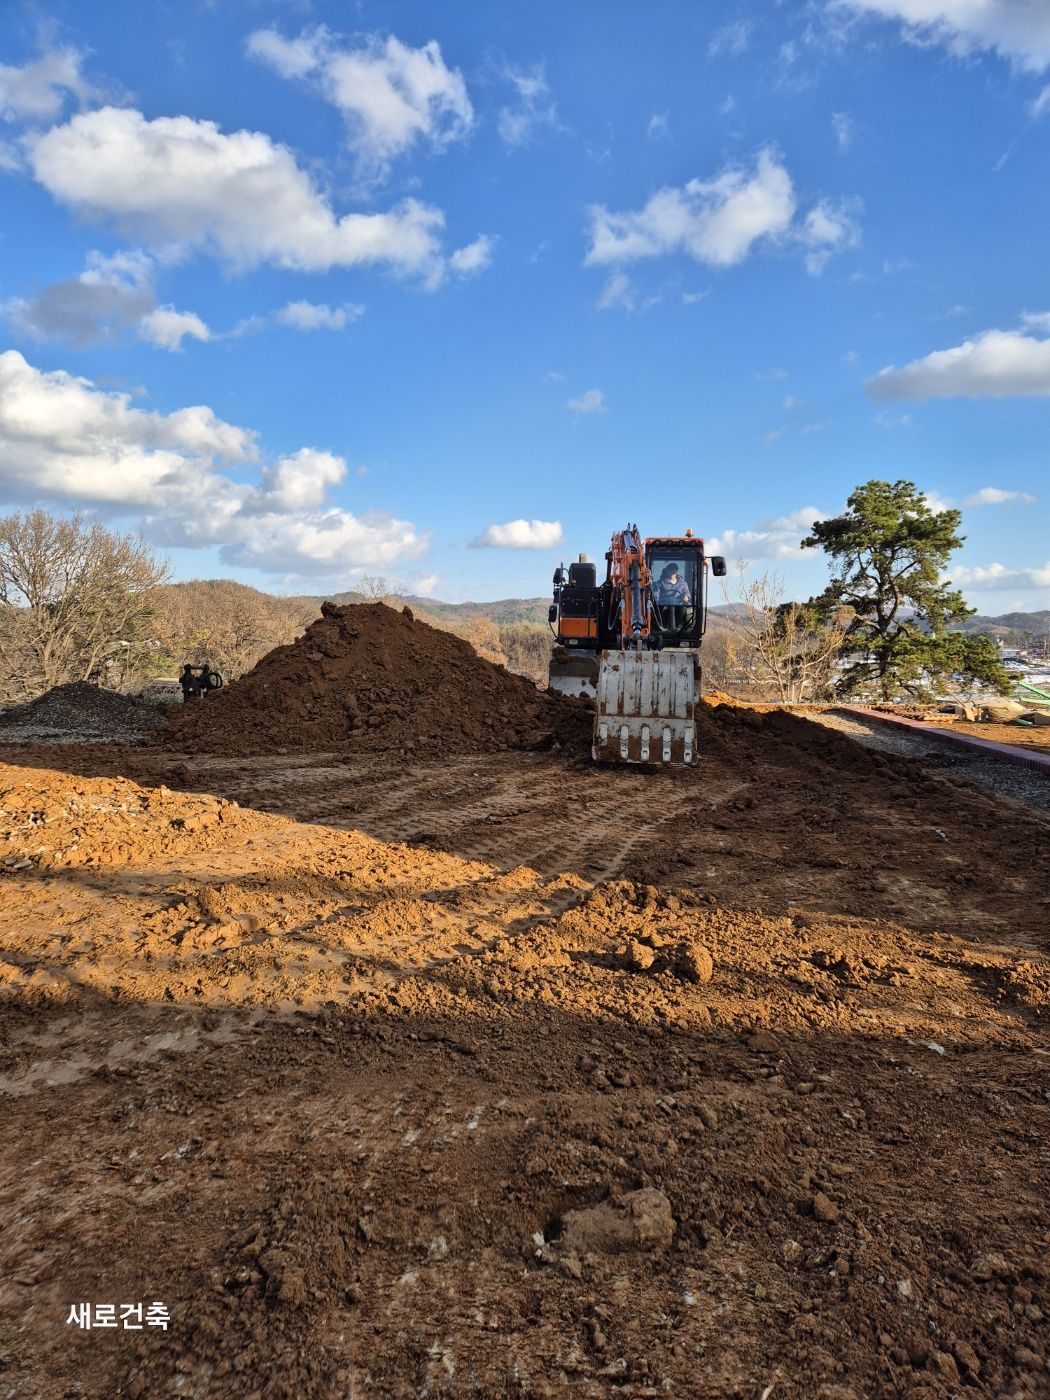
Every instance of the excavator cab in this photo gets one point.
(632, 643)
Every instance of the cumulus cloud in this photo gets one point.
(532, 109)
(179, 182)
(474, 258)
(996, 496)
(590, 401)
(65, 440)
(167, 328)
(995, 576)
(392, 96)
(719, 221)
(995, 364)
(828, 228)
(111, 297)
(778, 538)
(37, 91)
(312, 316)
(1018, 30)
(520, 534)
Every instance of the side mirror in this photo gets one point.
(718, 566)
(552, 613)
(559, 577)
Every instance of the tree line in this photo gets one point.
(81, 602)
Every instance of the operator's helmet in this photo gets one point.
(670, 569)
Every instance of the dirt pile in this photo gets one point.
(78, 711)
(370, 678)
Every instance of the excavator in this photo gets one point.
(632, 643)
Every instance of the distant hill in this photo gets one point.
(1014, 629)
(504, 610)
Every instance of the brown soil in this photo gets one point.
(369, 678)
(504, 1075)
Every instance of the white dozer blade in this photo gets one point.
(647, 706)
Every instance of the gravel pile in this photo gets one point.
(78, 713)
(1011, 780)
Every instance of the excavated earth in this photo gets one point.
(365, 678)
(501, 1075)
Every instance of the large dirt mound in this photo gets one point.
(372, 678)
(78, 710)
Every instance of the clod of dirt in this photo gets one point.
(693, 961)
(640, 1220)
(824, 1209)
(367, 677)
(78, 711)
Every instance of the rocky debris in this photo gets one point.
(79, 712)
(368, 678)
(640, 1220)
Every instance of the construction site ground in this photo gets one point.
(503, 1075)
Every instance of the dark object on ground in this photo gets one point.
(78, 710)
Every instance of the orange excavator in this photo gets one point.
(632, 643)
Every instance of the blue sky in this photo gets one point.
(448, 292)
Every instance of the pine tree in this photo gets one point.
(888, 552)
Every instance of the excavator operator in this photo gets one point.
(672, 597)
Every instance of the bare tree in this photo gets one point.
(226, 624)
(75, 601)
(377, 589)
(788, 650)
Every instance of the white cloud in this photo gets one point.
(62, 439)
(109, 298)
(520, 534)
(391, 95)
(167, 328)
(1018, 30)
(37, 92)
(996, 496)
(995, 364)
(313, 316)
(426, 585)
(779, 538)
(617, 292)
(842, 126)
(1040, 104)
(732, 39)
(590, 401)
(1036, 321)
(473, 258)
(995, 576)
(658, 128)
(828, 228)
(178, 182)
(113, 295)
(936, 502)
(691, 298)
(719, 221)
(533, 107)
